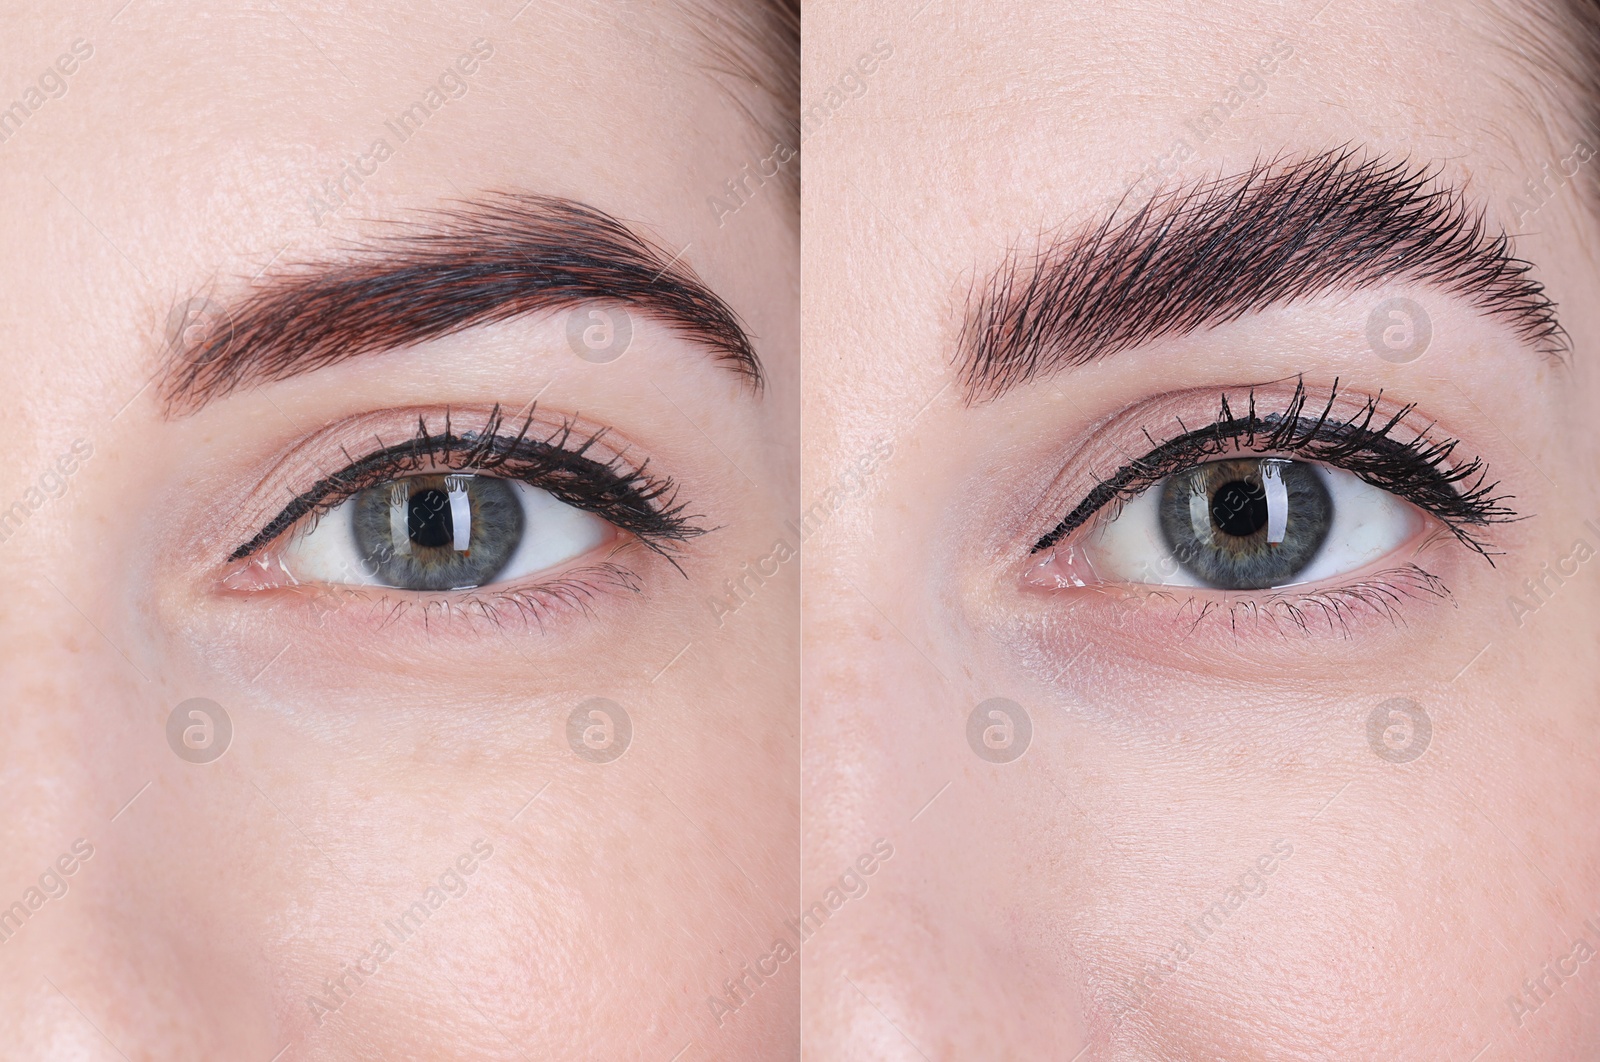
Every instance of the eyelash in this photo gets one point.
(630, 498)
(1419, 470)
(574, 590)
(1380, 593)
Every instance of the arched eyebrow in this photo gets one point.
(483, 261)
(1216, 251)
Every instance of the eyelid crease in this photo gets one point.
(1419, 471)
(629, 497)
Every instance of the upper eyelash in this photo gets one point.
(1419, 470)
(629, 497)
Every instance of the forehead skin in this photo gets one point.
(180, 161)
(1060, 875)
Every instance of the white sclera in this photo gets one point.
(553, 533)
(1367, 524)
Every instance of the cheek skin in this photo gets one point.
(1399, 870)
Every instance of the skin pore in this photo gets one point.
(387, 751)
(1246, 825)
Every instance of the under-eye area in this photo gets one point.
(1287, 506)
(466, 513)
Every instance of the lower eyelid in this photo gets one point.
(1377, 596)
(368, 611)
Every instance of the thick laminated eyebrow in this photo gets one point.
(1214, 251)
(1422, 469)
(558, 460)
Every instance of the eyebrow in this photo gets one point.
(479, 262)
(1195, 257)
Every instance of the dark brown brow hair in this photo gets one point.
(1215, 251)
(478, 262)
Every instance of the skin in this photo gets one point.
(1167, 757)
(371, 751)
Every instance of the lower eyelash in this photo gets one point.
(1379, 595)
(530, 606)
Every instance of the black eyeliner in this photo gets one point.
(629, 498)
(1418, 471)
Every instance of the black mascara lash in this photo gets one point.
(1419, 471)
(630, 498)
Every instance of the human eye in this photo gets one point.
(1326, 504)
(449, 513)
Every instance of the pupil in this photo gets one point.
(428, 519)
(1239, 508)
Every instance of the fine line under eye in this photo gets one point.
(631, 498)
(1421, 470)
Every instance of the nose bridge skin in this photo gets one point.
(56, 706)
(61, 699)
(113, 928)
(928, 956)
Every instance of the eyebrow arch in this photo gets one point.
(477, 262)
(1198, 256)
